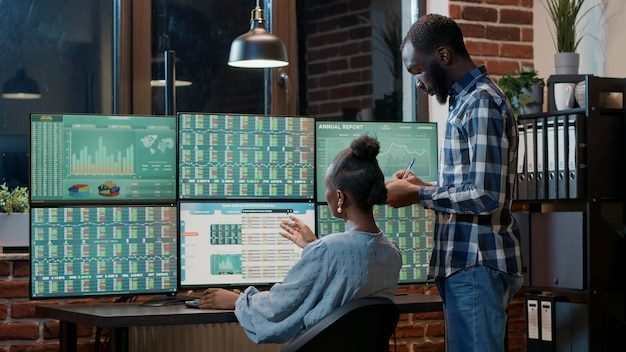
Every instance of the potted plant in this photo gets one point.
(14, 217)
(566, 15)
(13, 201)
(524, 89)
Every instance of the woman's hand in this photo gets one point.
(297, 232)
(218, 298)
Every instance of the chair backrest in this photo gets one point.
(364, 325)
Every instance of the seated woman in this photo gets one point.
(339, 267)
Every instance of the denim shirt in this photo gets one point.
(331, 271)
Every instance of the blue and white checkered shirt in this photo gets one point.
(473, 195)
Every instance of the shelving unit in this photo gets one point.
(573, 239)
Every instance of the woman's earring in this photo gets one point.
(339, 203)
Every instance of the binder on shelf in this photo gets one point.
(533, 328)
(561, 157)
(540, 165)
(531, 156)
(521, 164)
(550, 139)
(546, 317)
(575, 162)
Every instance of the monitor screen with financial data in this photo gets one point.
(95, 251)
(98, 159)
(232, 156)
(237, 243)
(400, 143)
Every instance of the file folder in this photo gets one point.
(551, 179)
(546, 317)
(521, 164)
(540, 169)
(531, 156)
(533, 327)
(561, 158)
(575, 159)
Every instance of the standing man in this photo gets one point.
(476, 260)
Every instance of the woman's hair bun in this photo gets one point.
(365, 147)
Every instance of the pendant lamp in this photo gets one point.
(21, 87)
(257, 48)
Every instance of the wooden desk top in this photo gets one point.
(112, 315)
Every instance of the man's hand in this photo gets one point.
(401, 193)
(411, 178)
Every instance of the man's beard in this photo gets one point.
(440, 82)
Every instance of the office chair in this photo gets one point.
(363, 325)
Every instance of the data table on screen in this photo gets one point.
(237, 242)
(245, 156)
(103, 250)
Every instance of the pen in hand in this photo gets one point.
(408, 169)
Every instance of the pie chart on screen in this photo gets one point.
(79, 190)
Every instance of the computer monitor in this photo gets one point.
(400, 142)
(411, 228)
(237, 243)
(102, 159)
(95, 251)
(246, 157)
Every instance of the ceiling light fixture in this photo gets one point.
(21, 86)
(257, 48)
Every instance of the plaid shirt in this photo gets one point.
(472, 198)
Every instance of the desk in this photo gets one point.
(120, 316)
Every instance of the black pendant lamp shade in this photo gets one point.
(21, 87)
(257, 48)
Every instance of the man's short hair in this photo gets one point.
(432, 31)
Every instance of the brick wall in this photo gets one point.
(498, 33)
(338, 56)
(20, 329)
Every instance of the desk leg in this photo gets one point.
(119, 340)
(67, 337)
